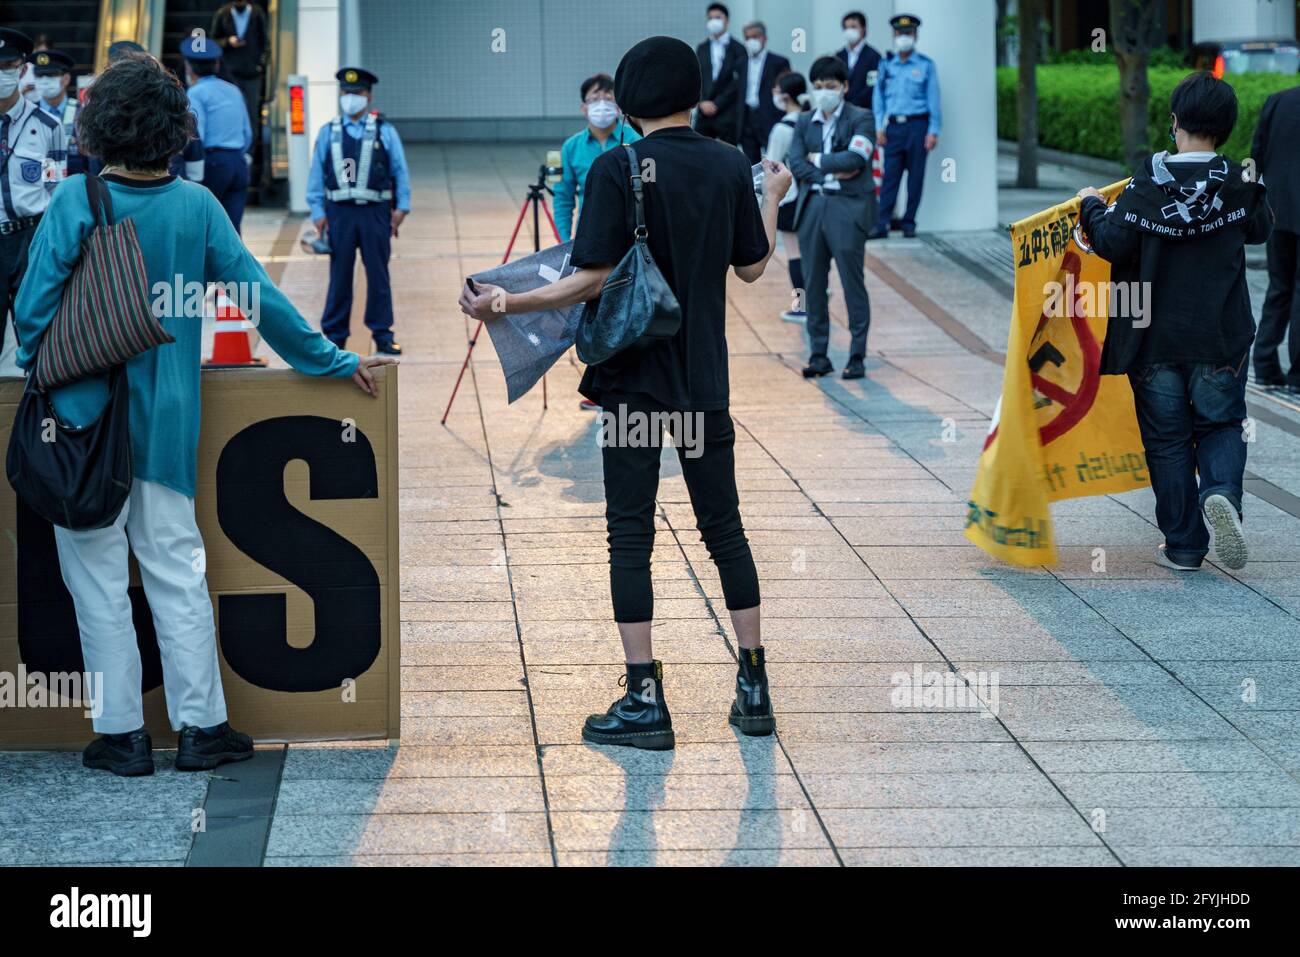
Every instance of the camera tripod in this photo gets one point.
(536, 199)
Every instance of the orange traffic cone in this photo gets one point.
(232, 346)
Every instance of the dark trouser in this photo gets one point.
(1280, 317)
(251, 87)
(13, 264)
(833, 229)
(1190, 416)
(351, 227)
(904, 152)
(722, 126)
(706, 451)
(752, 140)
(225, 173)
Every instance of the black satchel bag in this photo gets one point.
(75, 478)
(636, 307)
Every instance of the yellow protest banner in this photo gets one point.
(1060, 430)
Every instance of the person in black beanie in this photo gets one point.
(702, 219)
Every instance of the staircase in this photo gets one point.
(68, 25)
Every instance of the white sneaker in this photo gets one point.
(1226, 537)
(1167, 562)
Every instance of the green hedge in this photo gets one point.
(1078, 108)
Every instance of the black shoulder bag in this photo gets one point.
(636, 307)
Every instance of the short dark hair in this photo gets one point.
(600, 82)
(829, 68)
(718, 6)
(792, 85)
(1205, 106)
(136, 115)
(205, 67)
(855, 15)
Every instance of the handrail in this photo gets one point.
(138, 20)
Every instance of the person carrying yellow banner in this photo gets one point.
(1061, 430)
(1152, 287)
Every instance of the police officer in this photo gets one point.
(906, 106)
(33, 160)
(222, 120)
(58, 97)
(359, 191)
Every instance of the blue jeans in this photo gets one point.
(1190, 415)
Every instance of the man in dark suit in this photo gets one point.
(862, 59)
(762, 67)
(1277, 140)
(830, 156)
(239, 27)
(722, 66)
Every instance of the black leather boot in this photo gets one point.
(751, 712)
(640, 718)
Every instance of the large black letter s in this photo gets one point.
(257, 517)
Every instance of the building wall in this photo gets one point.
(1242, 20)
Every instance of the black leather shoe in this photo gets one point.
(909, 232)
(751, 712)
(817, 365)
(127, 755)
(856, 369)
(389, 348)
(880, 232)
(1275, 380)
(640, 718)
(197, 750)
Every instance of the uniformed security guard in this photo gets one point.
(906, 105)
(223, 126)
(33, 160)
(359, 191)
(58, 97)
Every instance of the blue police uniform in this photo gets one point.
(33, 161)
(906, 105)
(358, 176)
(222, 120)
(55, 63)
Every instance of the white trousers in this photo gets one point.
(157, 524)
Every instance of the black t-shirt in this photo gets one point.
(702, 217)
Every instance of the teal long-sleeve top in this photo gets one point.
(576, 156)
(187, 242)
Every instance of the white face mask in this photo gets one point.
(602, 114)
(9, 82)
(827, 100)
(904, 42)
(715, 26)
(352, 103)
(852, 35)
(49, 87)
(754, 46)
(778, 100)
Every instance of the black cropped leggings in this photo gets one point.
(706, 450)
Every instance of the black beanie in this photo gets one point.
(659, 76)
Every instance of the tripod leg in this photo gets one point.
(463, 366)
(474, 339)
(551, 219)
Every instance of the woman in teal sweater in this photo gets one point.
(136, 118)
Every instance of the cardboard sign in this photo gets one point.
(297, 503)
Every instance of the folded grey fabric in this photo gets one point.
(528, 344)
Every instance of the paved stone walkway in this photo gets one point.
(1123, 733)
